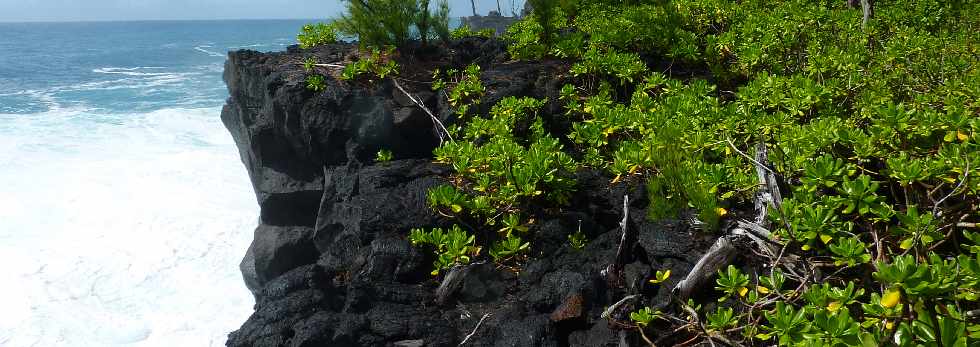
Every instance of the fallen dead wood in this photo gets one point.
(440, 128)
(478, 324)
(743, 233)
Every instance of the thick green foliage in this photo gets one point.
(465, 31)
(453, 247)
(376, 63)
(875, 130)
(463, 88)
(378, 23)
(315, 83)
(317, 34)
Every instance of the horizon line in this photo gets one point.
(40, 21)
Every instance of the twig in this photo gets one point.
(474, 329)
(605, 314)
(966, 225)
(758, 164)
(694, 317)
(426, 109)
(645, 338)
(330, 65)
(966, 174)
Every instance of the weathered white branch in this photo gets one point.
(478, 324)
(435, 120)
(723, 251)
(605, 314)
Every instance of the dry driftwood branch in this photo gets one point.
(608, 312)
(435, 120)
(723, 251)
(613, 272)
(720, 254)
(478, 324)
(330, 65)
(622, 253)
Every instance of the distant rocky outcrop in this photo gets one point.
(330, 264)
(491, 21)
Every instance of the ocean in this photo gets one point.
(124, 206)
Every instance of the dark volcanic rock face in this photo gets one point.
(330, 264)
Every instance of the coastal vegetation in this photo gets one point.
(871, 125)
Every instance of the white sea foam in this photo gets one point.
(203, 49)
(121, 229)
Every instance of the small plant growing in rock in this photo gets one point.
(644, 316)
(660, 277)
(315, 83)
(313, 35)
(732, 282)
(309, 64)
(577, 240)
(464, 88)
(453, 247)
(446, 197)
(383, 156)
(508, 248)
(376, 63)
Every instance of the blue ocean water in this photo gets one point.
(124, 207)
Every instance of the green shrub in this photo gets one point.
(383, 156)
(874, 130)
(465, 31)
(379, 23)
(375, 63)
(317, 34)
(315, 83)
(453, 247)
(463, 87)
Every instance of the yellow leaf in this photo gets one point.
(721, 211)
(805, 247)
(963, 137)
(891, 298)
(825, 238)
(666, 274)
(742, 291)
(889, 325)
(762, 289)
(834, 306)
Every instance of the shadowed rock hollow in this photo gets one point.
(330, 264)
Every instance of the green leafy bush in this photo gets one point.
(453, 247)
(376, 63)
(317, 34)
(379, 23)
(383, 156)
(465, 31)
(315, 83)
(463, 87)
(874, 130)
